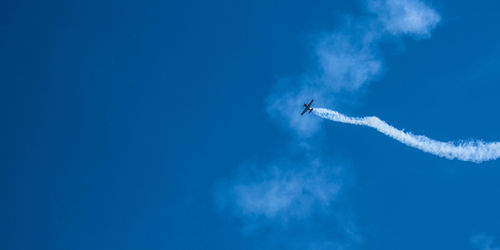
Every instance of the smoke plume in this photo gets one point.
(474, 151)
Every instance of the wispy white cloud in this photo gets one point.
(411, 17)
(282, 190)
(484, 242)
(345, 65)
(285, 200)
(348, 59)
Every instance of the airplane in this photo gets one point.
(308, 107)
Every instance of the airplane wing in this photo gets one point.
(303, 112)
(309, 105)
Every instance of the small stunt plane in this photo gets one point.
(307, 107)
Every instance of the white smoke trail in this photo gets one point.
(474, 151)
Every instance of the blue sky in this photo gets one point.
(166, 125)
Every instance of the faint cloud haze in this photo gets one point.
(483, 242)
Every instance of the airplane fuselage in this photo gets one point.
(307, 107)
